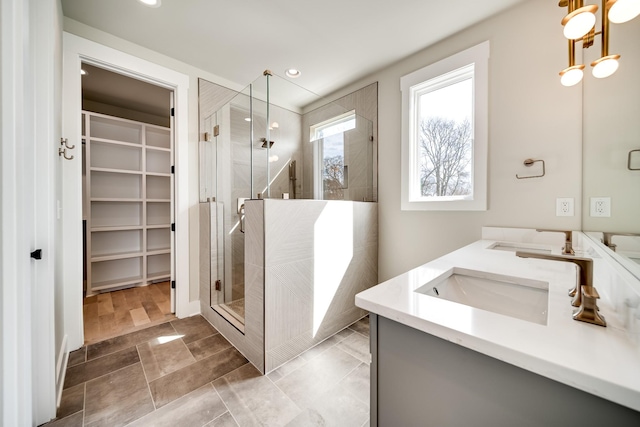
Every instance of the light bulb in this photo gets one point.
(579, 22)
(623, 10)
(150, 3)
(571, 76)
(605, 66)
(293, 73)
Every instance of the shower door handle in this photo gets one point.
(241, 213)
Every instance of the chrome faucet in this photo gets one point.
(607, 238)
(586, 295)
(568, 240)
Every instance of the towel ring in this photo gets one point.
(629, 160)
(528, 163)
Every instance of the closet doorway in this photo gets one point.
(127, 204)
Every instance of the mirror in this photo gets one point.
(611, 136)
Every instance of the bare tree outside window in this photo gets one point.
(333, 177)
(445, 148)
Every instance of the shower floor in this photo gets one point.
(236, 309)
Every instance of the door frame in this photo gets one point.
(75, 51)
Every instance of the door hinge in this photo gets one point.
(173, 284)
(173, 112)
(218, 285)
(173, 226)
(173, 169)
(216, 130)
(37, 254)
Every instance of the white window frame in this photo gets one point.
(410, 85)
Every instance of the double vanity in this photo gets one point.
(481, 336)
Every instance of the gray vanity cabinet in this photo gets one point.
(420, 380)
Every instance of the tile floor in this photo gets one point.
(184, 373)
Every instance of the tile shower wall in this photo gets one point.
(363, 184)
(318, 255)
(304, 262)
(251, 342)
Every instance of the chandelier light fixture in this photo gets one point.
(579, 26)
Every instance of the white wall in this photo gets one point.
(194, 73)
(530, 116)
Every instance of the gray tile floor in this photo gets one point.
(184, 373)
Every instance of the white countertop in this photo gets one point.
(604, 361)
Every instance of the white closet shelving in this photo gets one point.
(128, 202)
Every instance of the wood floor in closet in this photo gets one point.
(115, 313)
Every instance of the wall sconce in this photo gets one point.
(579, 25)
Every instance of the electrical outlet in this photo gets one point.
(601, 206)
(564, 206)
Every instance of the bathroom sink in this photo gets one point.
(517, 297)
(514, 247)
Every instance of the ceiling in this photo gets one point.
(106, 87)
(333, 42)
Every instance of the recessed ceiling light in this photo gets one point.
(150, 3)
(293, 73)
(247, 119)
(83, 72)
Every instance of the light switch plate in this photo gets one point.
(564, 206)
(601, 206)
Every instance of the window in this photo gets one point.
(330, 170)
(444, 133)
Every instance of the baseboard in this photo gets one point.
(192, 309)
(61, 369)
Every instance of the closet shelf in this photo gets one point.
(127, 171)
(158, 174)
(151, 147)
(158, 251)
(113, 141)
(157, 226)
(117, 228)
(158, 275)
(158, 200)
(115, 199)
(108, 284)
(122, 255)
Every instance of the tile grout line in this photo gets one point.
(146, 379)
(109, 373)
(351, 371)
(119, 336)
(84, 403)
(223, 402)
(284, 376)
(319, 354)
(289, 397)
(358, 332)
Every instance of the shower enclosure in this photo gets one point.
(276, 140)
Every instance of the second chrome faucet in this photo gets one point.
(586, 295)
